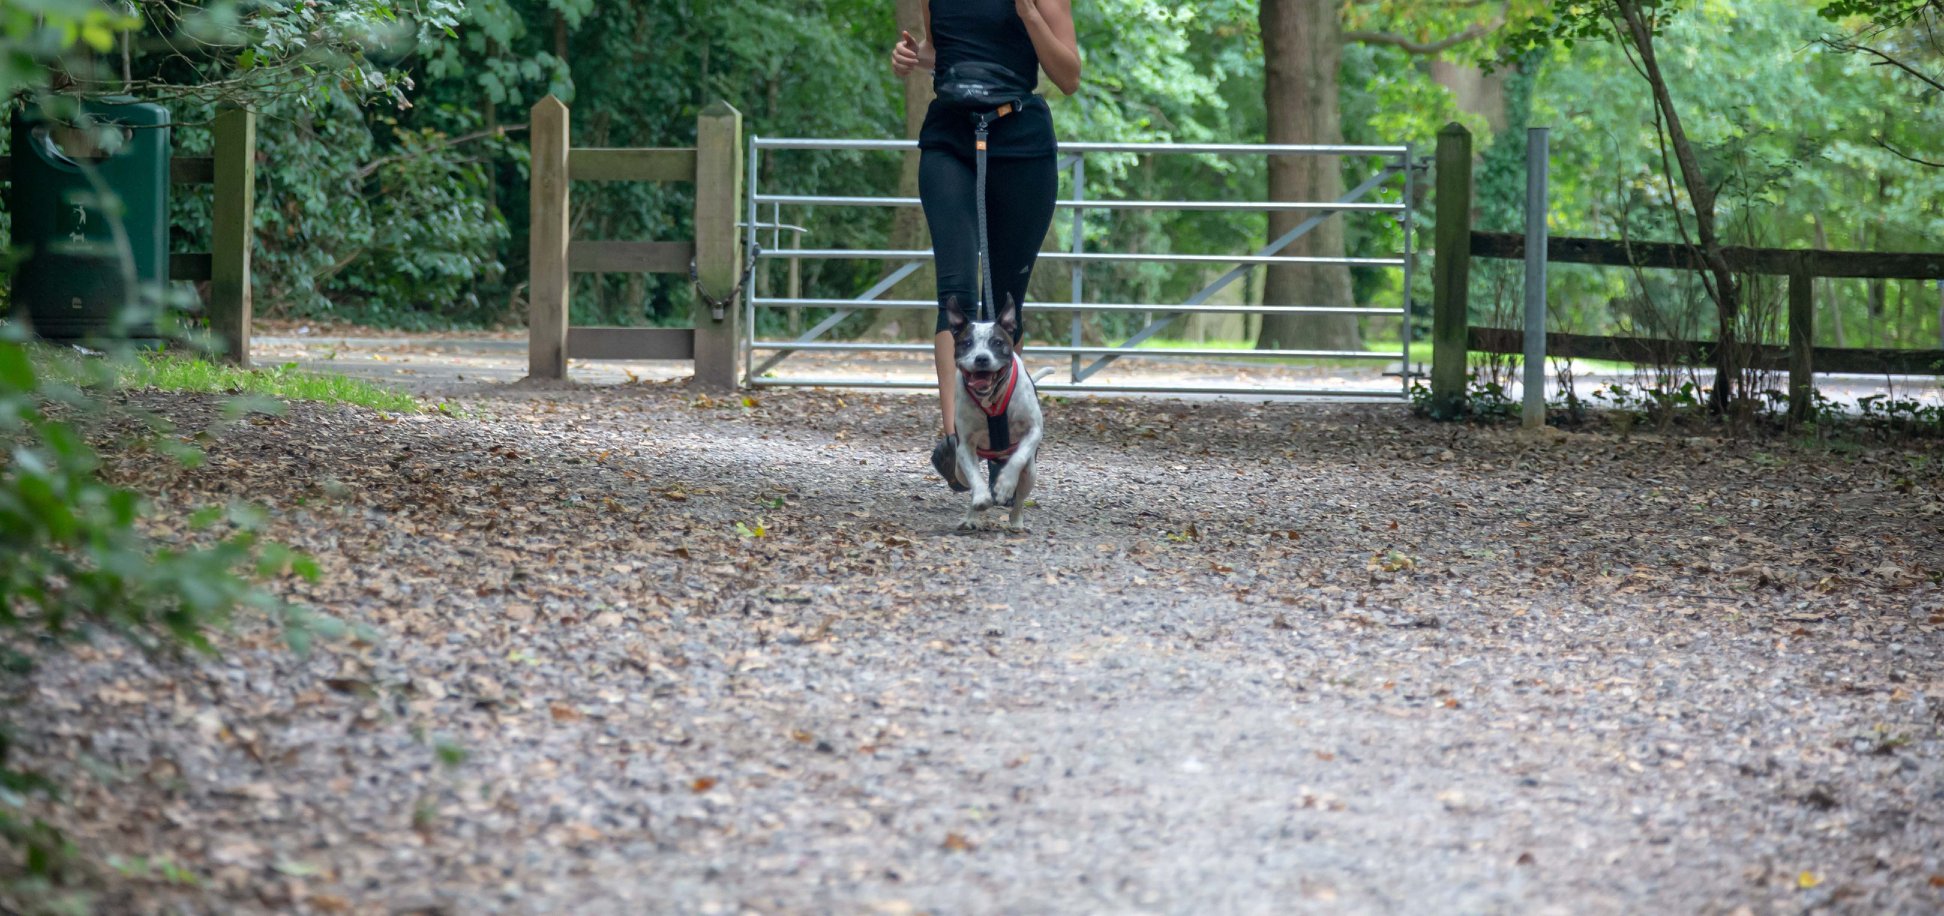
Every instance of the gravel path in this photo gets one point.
(1251, 659)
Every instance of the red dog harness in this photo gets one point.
(998, 433)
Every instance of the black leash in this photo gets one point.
(988, 310)
(998, 433)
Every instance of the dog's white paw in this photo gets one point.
(1018, 527)
(968, 524)
(1002, 494)
(982, 502)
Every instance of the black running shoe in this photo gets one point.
(945, 460)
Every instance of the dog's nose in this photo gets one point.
(982, 360)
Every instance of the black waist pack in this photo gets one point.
(975, 87)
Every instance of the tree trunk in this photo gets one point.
(908, 223)
(1476, 91)
(1302, 43)
(491, 116)
(1725, 289)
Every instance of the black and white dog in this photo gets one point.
(998, 414)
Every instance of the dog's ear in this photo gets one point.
(1009, 318)
(955, 320)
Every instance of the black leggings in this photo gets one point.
(1019, 209)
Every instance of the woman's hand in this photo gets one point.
(910, 54)
(1026, 9)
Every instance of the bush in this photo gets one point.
(435, 236)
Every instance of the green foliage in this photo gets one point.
(1659, 404)
(78, 560)
(1569, 23)
(308, 68)
(426, 192)
(247, 52)
(1798, 136)
(1907, 415)
(1486, 400)
(1881, 11)
(415, 217)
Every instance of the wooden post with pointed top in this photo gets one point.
(232, 233)
(1451, 272)
(718, 245)
(548, 281)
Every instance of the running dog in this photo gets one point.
(998, 413)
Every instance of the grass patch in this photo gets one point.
(1170, 343)
(285, 382)
(178, 373)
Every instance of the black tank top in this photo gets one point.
(988, 31)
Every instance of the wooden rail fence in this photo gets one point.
(1457, 244)
(715, 165)
(232, 172)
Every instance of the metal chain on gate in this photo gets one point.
(719, 308)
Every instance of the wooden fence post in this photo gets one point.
(1802, 343)
(232, 232)
(1451, 272)
(718, 245)
(548, 281)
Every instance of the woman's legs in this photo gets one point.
(1019, 210)
(947, 187)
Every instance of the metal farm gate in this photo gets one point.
(1387, 194)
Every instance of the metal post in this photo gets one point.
(1079, 245)
(1410, 263)
(796, 284)
(776, 242)
(745, 341)
(1538, 162)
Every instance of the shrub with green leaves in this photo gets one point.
(74, 557)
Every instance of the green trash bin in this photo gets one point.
(74, 283)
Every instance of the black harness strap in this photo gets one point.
(1000, 436)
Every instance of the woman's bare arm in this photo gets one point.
(1050, 23)
(911, 54)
